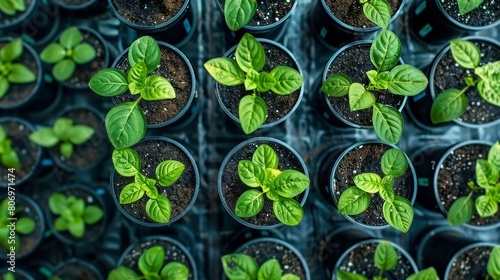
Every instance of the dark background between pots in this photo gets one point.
(206, 229)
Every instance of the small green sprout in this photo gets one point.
(242, 266)
(11, 71)
(24, 225)
(8, 156)
(12, 7)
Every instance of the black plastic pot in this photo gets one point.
(90, 7)
(20, 274)
(77, 269)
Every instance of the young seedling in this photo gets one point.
(10, 276)
(397, 210)
(63, 131)
(487, 186)
(11, 7)
(237, 13)
(241, 266)
(12, 72)
(151, 267)
(403, 79)
(66, 54)
(279, 186)
(73, 214)
(128, 164)
(246, 69)
(125, 122)
(452, 103)
(24, 226)
(377, 11)
(386, 259)
(8, 157)
(493, 265)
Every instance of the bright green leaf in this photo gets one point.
(407, 80)
(368, 182)
(265, 157)
(20, 74)
(493, 266)
(157, 88)
(125, 125)
(12, 50)
(387, 188)
(399, 213)
(57, 203)
(159, 209)
(378, 11)
(122, 273)
(344, 275)
(386, 257)
(10, 159)
(145, 49)
(461, 211)
(80, 134)
(290, 276)
(152, 260)
(426, 274)
(62, 127)
(4, 86)
(250, 173)
(337, 85)
(70, 37)
(237, 13)
(83, 53)
(249, 204)
(494, 154)
(485, 206)
(288, 211)
(250, 54)
(66, 149)
(92, 214)
(353, 201)
(60, 224)
(270, 270)
(265, 82)
(288, 80)
(25, 225)
(225, 71)
(77, 228)
(63, 69)
(359, 98)
(126, 162)
(388, 123)
(465, 53)
(252, 112)
(131, 193)
(385, 49)
(448, 105)
(44, 137)
(136, 77)
(109, 82)
(53, 53)
(175, 271)
(291, 183)
(486, 173)
(394, 163)
(168, 172)
(240, 267)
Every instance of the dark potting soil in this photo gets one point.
(18, 93)
(90, 152)
(175, 69)
(233, 187)
(266, 250)
(450, 75)
(278, 106)
(362, 159)
(456, 171)
(360, 260)
(6, 19)
(76, 271)
(350, 12)
(180, 193)
(485, 14)
(172, 253)
(26, 150)
(471, 264)
(268, 12)
(148, 12)
(355, 62)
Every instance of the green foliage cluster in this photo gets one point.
(67, 53)
(73, 214)
(11, 71)
(127, 163)
(246, 69)
(487, 186)
(12, 7)
(24, 225)
(8, 156)
(241, 266)
(151, 267)
(63, 131)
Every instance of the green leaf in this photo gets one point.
(270, 176)
(465, 53)
(249, 204)
(159, 209)
(485, 206)
(288, 80)
(265, 82)
(394, 163)
(3, 134)
(125, 125)
(353, 201)
(53, 53)
(168, 172)
(126, 162)
(92, 214)
(19, 5)
(12, 50)
(61, 224)
(66, 149)
(386, 257)
(426, 274)
(62, 127)
(270, 270)
(487, 90)
(4, 86)
(398, 213)
(157, 88)
(465, 6)
(77, 228)
(10, 159)
(7, 8)
(109, 82)
(77, 207)
(461, 211)
(152, 260)
(63, 69)
(25, 225)
(385, 49)
(290, 276)
(131, 193)
(44, 137)
(250, 173)
(388, 123)
(239, 266)
(386, 188)
(252, 112)
(237, 13)
(407, 80)
(494, 154)
(123, 273)
(250, 54)
(378, 11)
(344, 275)
(70, 38)
(175, 271)
(448, 105)
(336, 85)
(147, 50)
(225, 71)
(136, 77)
(83, 53)
(288, 211)
(359, 98)
(368, 182)
(80, 134)
(486, 173)
(265, 157)
(291, 183)
(493, 266)
(57, 203)
(20, 74)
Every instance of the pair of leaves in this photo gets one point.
(11, 72)
(11, 7)
(8, 156)
(24, 225)
(238, 13)
(242, 266)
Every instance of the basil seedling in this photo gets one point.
(23, 226)
(12, 71)
(8, 156)
(242, 266)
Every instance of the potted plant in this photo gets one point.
(274, 167)
(241, 265)
(78, 269)
(85, 7)
(20, 274)
(154, 190)
(261, 83)
(368, 97)
(15, 12)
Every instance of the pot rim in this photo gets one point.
(462, 25)
(463, 250)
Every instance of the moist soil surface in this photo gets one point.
(172, 253)
(148, 12)
(450, 75)
(180, 194)
(355, 62)
(19, 93)
(456, 171)
(471, 264)
(266, 250)
(93, 150)
(26, 150)
(268, 12)
(176, 71)
(6, 19)
(76, 271)
(362, 159)
(278, 106)
(232, 186)
(360, 260)
(485, 14)
(350, 12)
